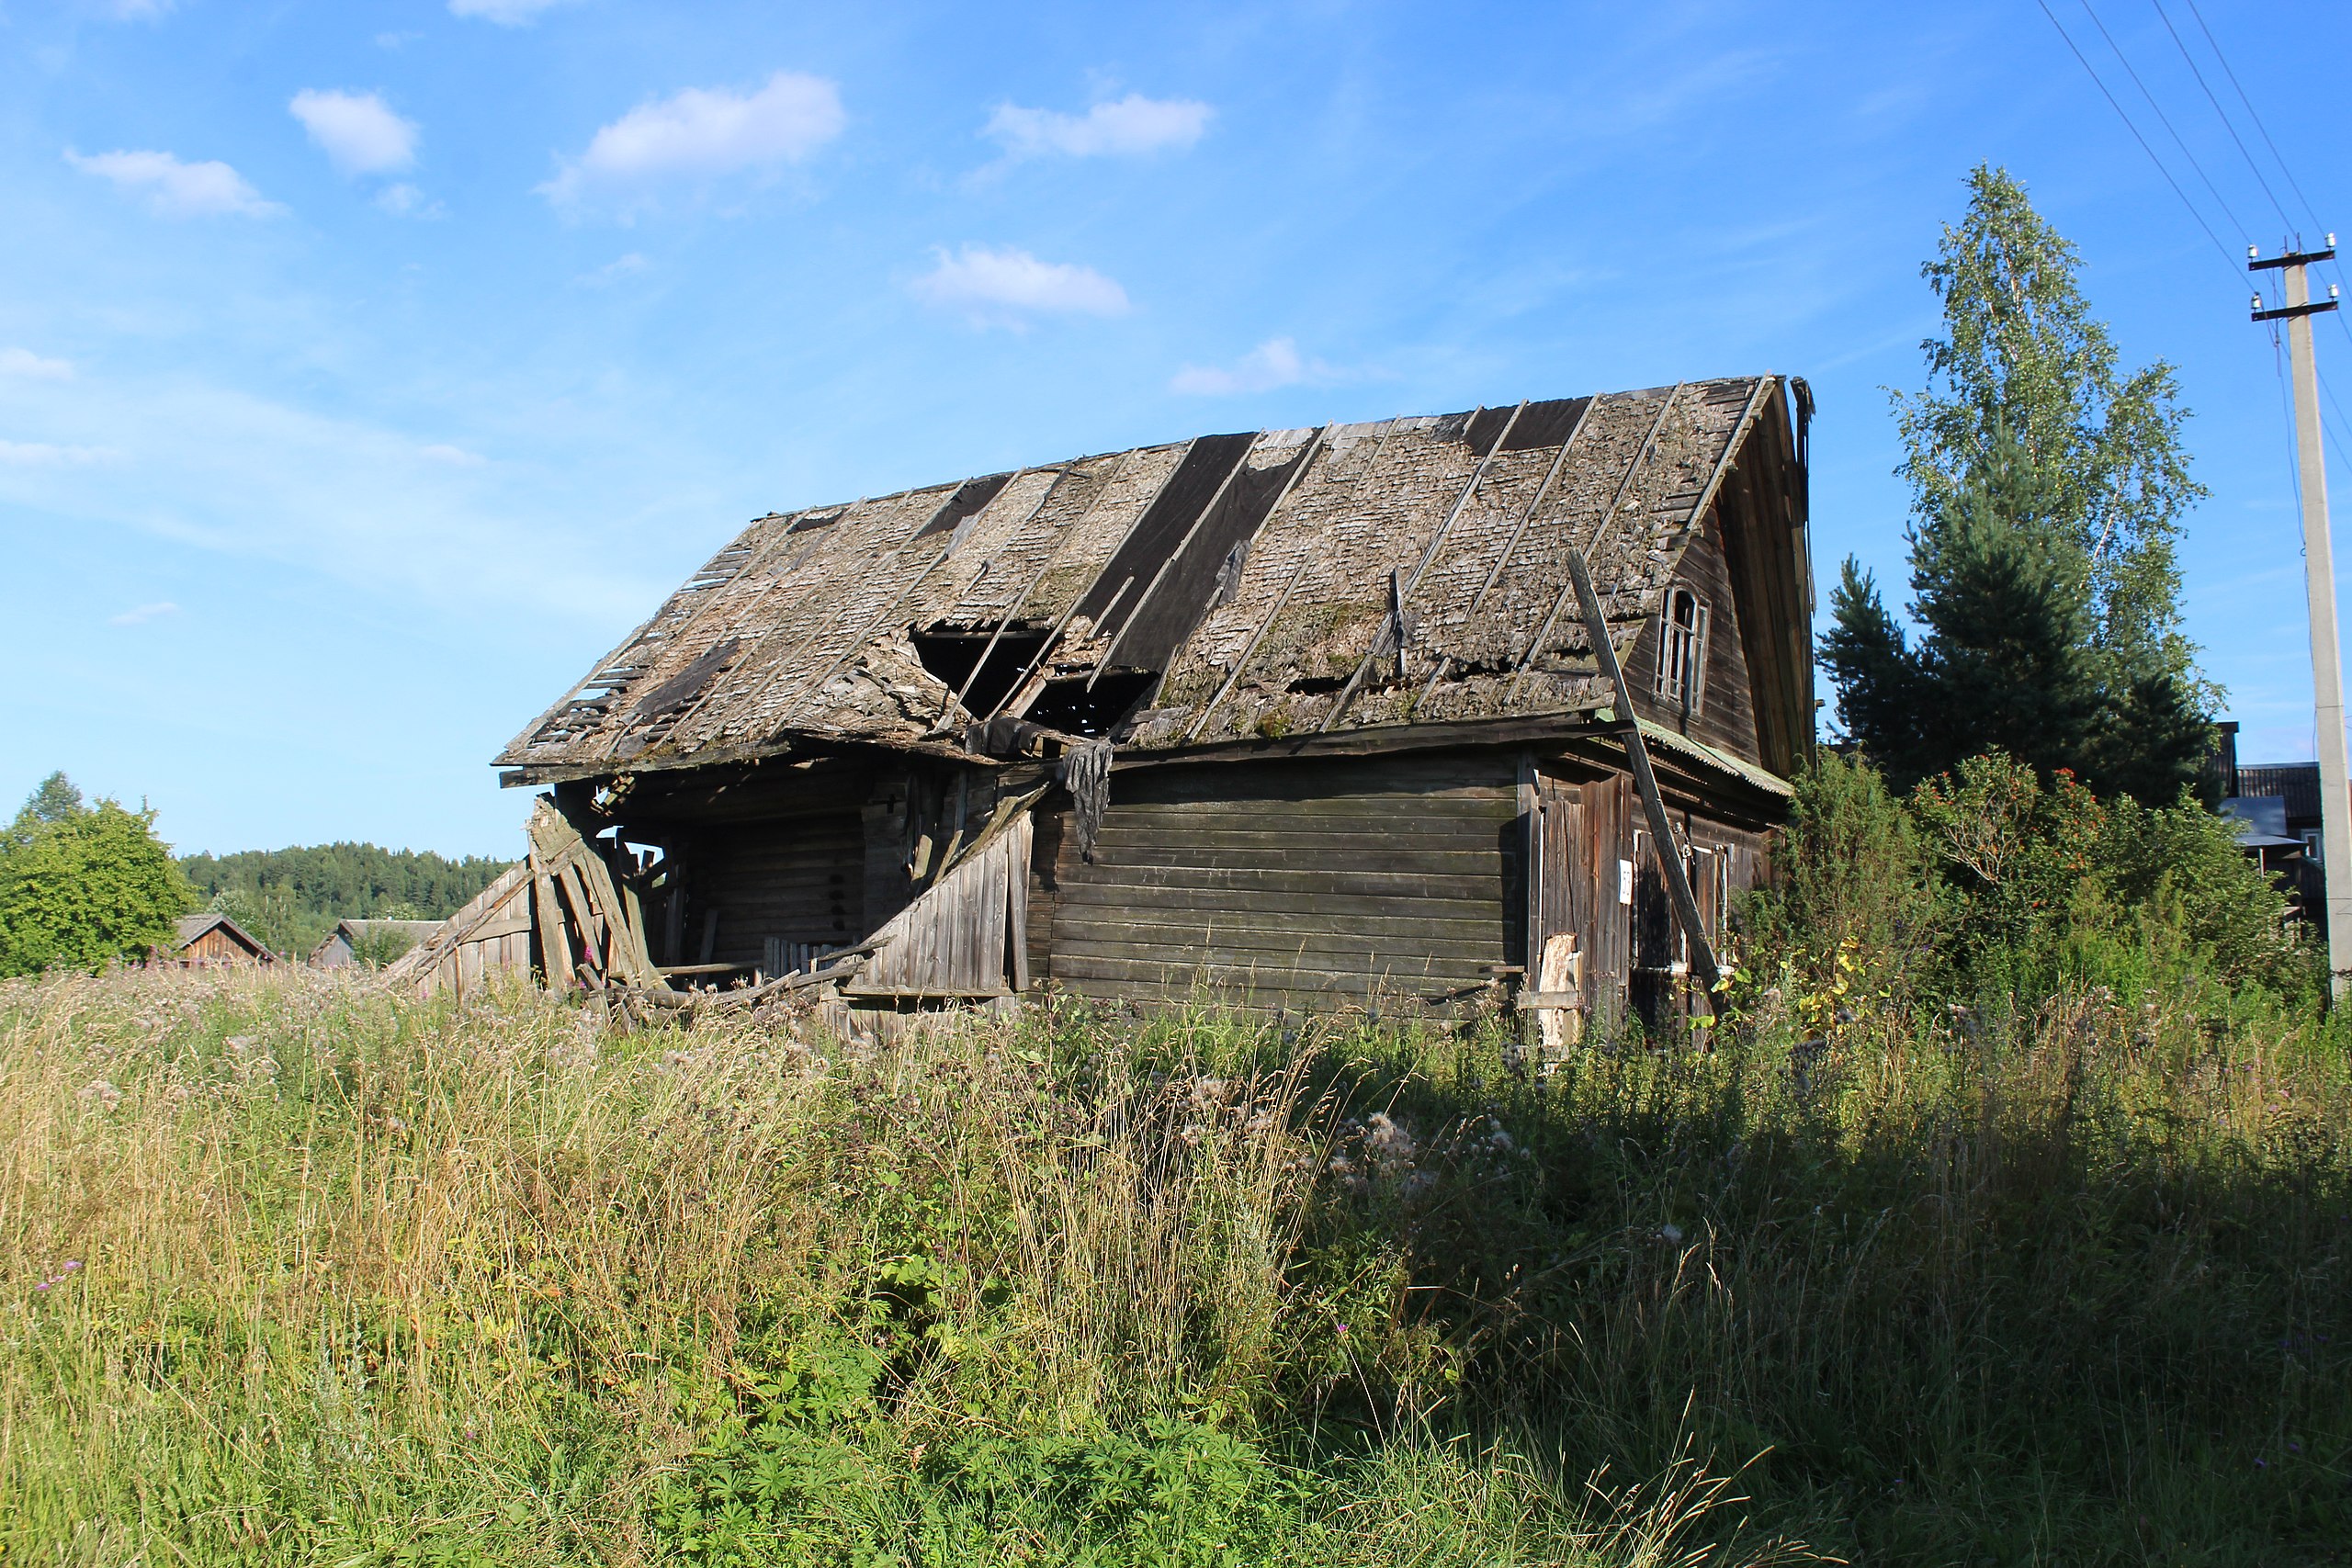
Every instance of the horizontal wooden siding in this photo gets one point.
(1295, 884)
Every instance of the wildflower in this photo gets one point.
(1387, 1143)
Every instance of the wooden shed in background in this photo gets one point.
(1294, 719)
(210, 940)
(356, 942)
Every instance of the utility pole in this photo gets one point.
(2319, 585)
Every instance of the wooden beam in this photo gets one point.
(1511, 546)
(1054, 636)
(1608, 520)
(1310, 558)
(1013, 610)
(1670, 848)
(1400, 591)
(1305, 461)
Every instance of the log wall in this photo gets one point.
(801, 879)
(1293, 885)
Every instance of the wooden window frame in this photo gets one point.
(1681, 676)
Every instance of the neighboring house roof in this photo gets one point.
(1250, 583)
(350, 932)
(2297, 783)
(193, 927)
(2262, 821)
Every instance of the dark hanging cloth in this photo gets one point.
(1086, 774)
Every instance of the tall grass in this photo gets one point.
(292, 1271)
(296, 1272)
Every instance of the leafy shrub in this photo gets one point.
(1988, 883)
(82, 886)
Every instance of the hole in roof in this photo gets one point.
(959, 656)
(1068, 706)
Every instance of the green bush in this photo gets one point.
(1989, 884)
(82, 886)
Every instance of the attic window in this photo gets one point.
(1682, 649)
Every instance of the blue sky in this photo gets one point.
(368, 369)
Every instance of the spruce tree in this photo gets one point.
(2047, 496)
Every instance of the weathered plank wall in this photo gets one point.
(1725, 717)
(216, 948)
(799, 879)
(965, 935)
(1293, 885)
(491, 935)
(1597, 879)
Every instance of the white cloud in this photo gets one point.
(455, 457)
(140, 613)
(140, 10)
(358, 132)
(1274, 363)
(1123, 128)
(42, 455)
(25, 362)
(505, 13)
(1008, 285)
(407, 201)
(615, 270)
(176, 189)
(221, 470)
(708, 131)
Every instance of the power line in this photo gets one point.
(2215, 44)
(2162, 119)
(2223, 251)
(2227, 124)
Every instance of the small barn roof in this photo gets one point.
(353, 930)
(192, 927)
(1240, 585)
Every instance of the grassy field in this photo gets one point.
(292, 1272)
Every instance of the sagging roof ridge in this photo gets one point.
(827, 619)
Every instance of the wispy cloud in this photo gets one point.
(176, 189)
(140, 10)
(1127, 127)
(1274, 363)
(357, 131)
(505, 13)
(1008, 286)
(139, 614)
(455, 457)
(44, 455)
(407, 201)
(706, 131)
(616, 269)
(213, 468)
(26, 363)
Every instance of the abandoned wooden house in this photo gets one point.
(1291, 719)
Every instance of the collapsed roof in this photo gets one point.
(1409, 571)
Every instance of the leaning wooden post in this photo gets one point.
(1669, 849)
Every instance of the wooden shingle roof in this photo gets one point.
(1405, 571)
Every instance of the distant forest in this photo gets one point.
(291, 899)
